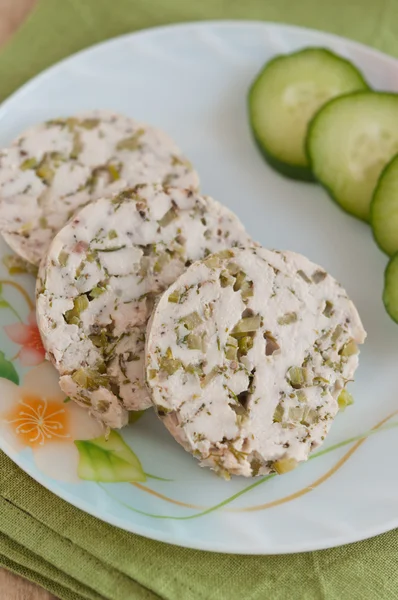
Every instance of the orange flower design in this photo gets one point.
(38, 420)
(35, 415)
(27, 335)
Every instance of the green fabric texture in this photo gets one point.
(77, 557)
(58, 28)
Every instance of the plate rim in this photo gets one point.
(81, 504)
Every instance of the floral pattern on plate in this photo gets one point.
(35, 415)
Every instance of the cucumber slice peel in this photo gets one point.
(349, 142)
(390, 293)
(284, 97)
(384, 209)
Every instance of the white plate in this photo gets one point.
(192, 80)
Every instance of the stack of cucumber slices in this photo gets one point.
(315, 118)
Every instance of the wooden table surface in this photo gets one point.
(12, 587)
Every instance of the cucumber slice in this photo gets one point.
(390, 293)
(349, 142)
(284, 97)
(384, 209)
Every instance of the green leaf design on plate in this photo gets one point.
(108, 460)
(250, 487)
(7, 369)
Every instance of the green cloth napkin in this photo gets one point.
(58, 28)
(77, 557)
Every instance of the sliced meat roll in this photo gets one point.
(54, 168)
(248, 355)
(97, 286)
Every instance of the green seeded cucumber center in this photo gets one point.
(287, 94)
(301, 101)
(384, 209)
(369, 152)
(350, 141)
